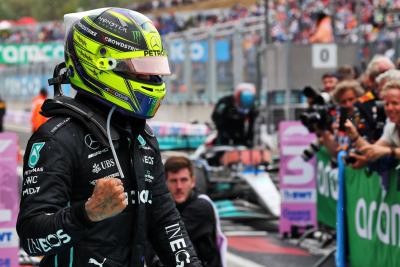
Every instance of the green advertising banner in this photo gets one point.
(373, 220)
(31, 53)
(327, 189)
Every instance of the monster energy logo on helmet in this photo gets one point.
(137, 36)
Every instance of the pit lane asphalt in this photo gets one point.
(255, 244)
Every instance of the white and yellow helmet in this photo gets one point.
(117, 55)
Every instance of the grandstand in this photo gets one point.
(225, 42)
(353, 21)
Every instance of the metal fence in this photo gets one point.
(206, 64)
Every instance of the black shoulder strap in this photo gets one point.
(94, 122)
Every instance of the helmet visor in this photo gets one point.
(149, 65)
(137, 62)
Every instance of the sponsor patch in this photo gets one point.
(60, 125)
(96, 168)
(34, 170)
(42, 245)
(106, 164)
(148, 160)
(30, 191)
(35, 154)
(97, 153)
(141, 140)
(139, 197)
(177, 244)
(91, 142)
(95, 262)
(148, 177)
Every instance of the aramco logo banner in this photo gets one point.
(9, 244)
(53, 51)
(31, 53)
(373, 219)
(327, 188)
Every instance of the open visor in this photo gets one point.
(137, 62)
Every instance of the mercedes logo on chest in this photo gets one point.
(91, 142)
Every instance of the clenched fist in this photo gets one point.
(108, 199)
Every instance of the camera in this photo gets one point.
(348, 160)
(316, 97)
(320, 114)
(310, 151)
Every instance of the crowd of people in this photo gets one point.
(295, 21)
(35, 33)
(362, 112)
(157, 4)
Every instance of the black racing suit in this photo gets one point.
(62, 162)
(234, 127)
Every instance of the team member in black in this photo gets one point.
(94, 182)
(234, 116)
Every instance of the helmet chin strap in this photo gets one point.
(111, 143)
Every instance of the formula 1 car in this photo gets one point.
(238, 180)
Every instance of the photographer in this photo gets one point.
(372, 114)
(388, 143)
(318, 117)
(344, 95)
(382, 155)
(319, 109)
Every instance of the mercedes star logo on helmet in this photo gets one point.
(155, 43)
(91, 142)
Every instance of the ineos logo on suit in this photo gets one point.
(91, 142)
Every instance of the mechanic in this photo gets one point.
(197, 212)
(234, 116)
(93, 182)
